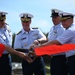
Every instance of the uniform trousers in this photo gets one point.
(58, 65)
(71, 65)
(5, 65)
(37, 67)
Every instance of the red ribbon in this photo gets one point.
(2, 48)
(53, 49)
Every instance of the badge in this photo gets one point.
(35, 36)
(23, 38)
(25, 44)
(4, 37)
(55, 32)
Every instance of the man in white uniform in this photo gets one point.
(24, 39)
(6, 38)
(68, 37)
(58, 61)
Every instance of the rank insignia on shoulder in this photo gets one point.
(35, 28)
(25, 44)
(19, 32)
(6, 23)
(7, 27)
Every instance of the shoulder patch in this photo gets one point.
(35, 28)
(19, 32)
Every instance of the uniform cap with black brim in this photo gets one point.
(55, 13)
(65, 15)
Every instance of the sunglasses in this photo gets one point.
(2, 18)
(25, 19)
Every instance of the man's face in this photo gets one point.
(26, 24)
(67, 23)
(2, 22)
(56, 20)
(2, 19)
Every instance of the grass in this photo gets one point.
(47, 70)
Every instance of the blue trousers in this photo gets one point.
(5, 65)
(36, 68)
(71, 65)
(59, 65)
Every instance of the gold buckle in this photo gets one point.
(31, 54)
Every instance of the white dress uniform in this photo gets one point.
(25, 39)
(68, 37)
(58, 61)
(54, 33)
(5, 38)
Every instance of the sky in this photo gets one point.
(40, 9)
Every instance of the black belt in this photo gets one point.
(5, 54)
(29, 51)
(59, 56)
(23, 50)
(73, 56)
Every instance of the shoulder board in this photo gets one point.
(7, 27)
(19, 32)
(35, 28)
(6, 24)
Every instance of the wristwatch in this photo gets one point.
(39, 41)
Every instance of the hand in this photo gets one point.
(33, 46)
(28, 59)
(36, 42)
(32, 54)
(24, 56)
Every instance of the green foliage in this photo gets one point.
(16, 58)
(13, 39)
(47, 59)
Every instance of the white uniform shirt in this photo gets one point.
(25, 40)
(5, 37)
(68, 37)
(55, 32)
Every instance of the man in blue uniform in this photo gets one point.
(6, 38)
(24, 39)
